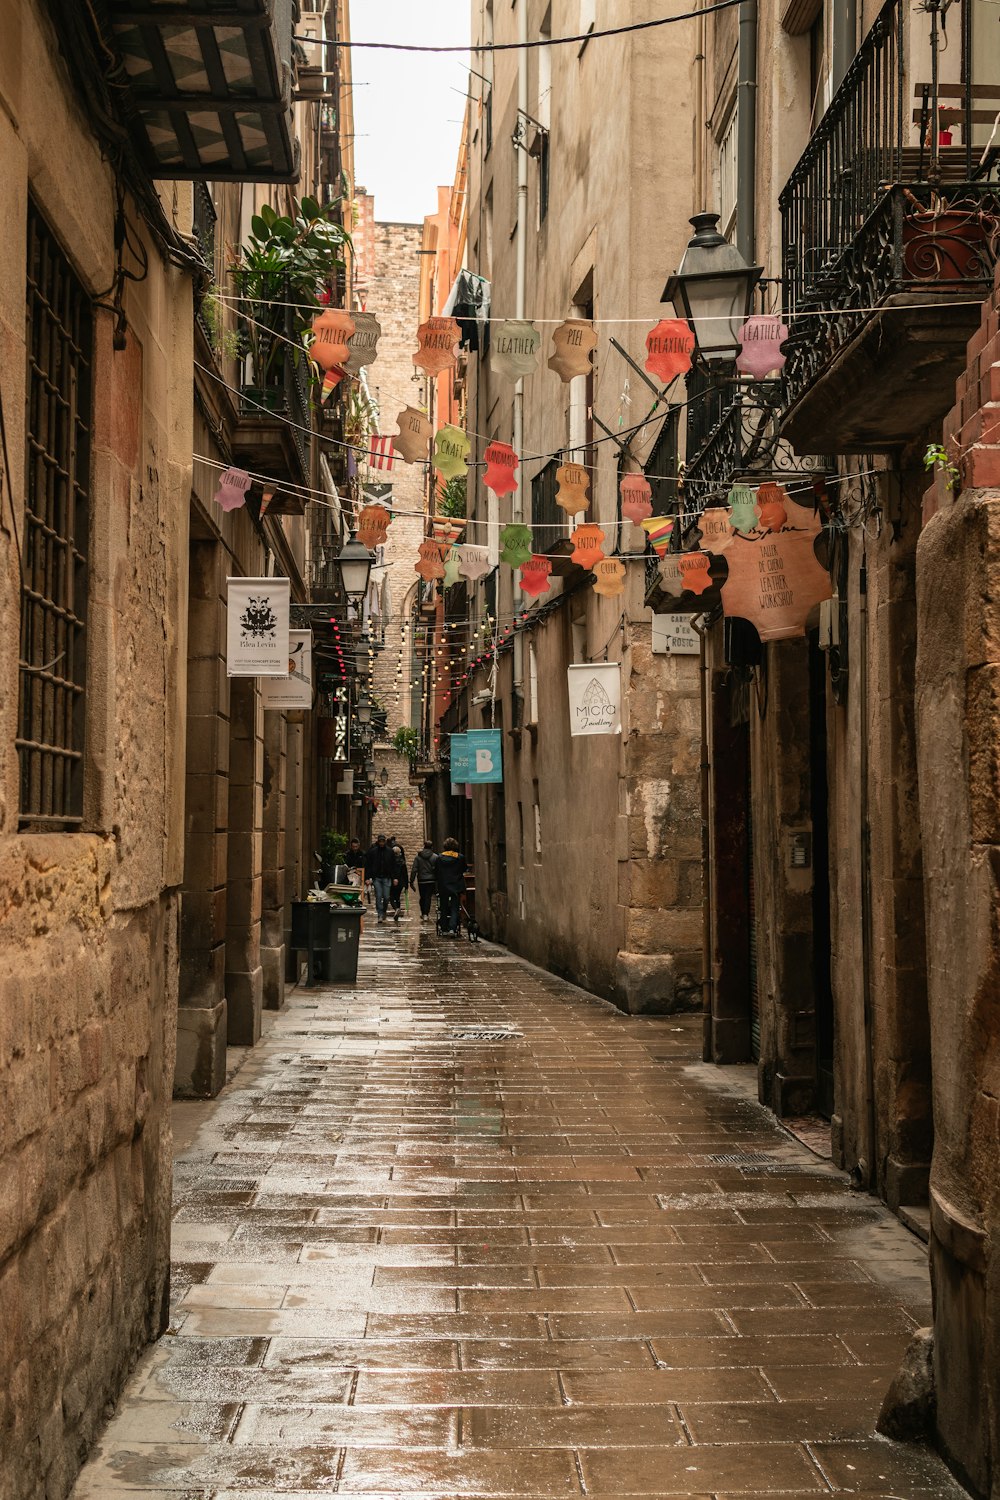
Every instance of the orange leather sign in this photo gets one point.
(776, 580)
(716, 532)
(771, 506)
(429, 564)
(574, 482)
(636, 496)
(535, 575)
(437, 341)
(609, 577)
(373, 523)
(573, 345)
(332, 330)
(669, 348)
(501, 468)
(588, 545)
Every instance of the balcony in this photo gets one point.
(274, 422)
(209, 87)
(890, 226)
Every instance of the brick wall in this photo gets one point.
(393, 297)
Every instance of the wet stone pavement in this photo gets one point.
(466, 1231)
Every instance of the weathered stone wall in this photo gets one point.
(394, 287)
(612, 897)
(88, 958)
(958, 732)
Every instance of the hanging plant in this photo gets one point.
(406, 742)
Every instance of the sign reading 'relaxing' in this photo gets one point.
(257, 627)
(295, 689)
(595, 697)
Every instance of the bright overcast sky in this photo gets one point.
(407, 113)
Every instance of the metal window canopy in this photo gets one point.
(209, 86)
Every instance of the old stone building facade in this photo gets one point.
(152, 819)
(611, 896)
(398, 675)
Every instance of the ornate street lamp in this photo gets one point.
(354, 564)
(712, 289)
(370, 771)
(384, 776)
(363, 709)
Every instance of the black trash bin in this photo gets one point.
(329, 935)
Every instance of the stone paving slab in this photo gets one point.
(574, 1260)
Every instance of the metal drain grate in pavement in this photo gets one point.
(741, 1159)
(486, 1034)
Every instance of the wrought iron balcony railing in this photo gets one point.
(275, 381)
(893, 194)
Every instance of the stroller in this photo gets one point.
(467, 923)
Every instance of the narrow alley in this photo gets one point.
(466, 1230)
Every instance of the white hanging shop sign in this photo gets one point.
(595, 698)
(295, 690)
(257, 627)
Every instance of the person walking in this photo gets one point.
(354, 859)
(379, 866)
(398, 880)
(449, 872)
(422, 879)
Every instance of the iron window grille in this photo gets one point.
(52, 667)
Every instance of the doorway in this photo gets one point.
(819, 810)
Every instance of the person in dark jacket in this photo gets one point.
(422, 878)
(449, 872)
(398, 880)
(354, 859)
(380, 864)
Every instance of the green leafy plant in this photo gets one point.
(333, 847)
(225, 341)
(280, 273)
(452, 496)
(406, 742)
(937, 457)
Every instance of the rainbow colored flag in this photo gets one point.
(658, 529)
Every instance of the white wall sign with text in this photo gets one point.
(257, 627)
(296, 689)
(595, 698)
(675, 634)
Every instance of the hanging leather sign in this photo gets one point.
(573, 482)
(609, 577)
(588, 545)
(232, 491)
(669, 348)
(775, 582)
(771, 500)
(373, 524)
(573, 345)
(332, 330)
(742, 509)
(695, 571)
(514, 349)
(474, 562)
(362, 346)
(451, 452)
(437, 341)
(716, 532)
(412, 441)
(452, 567)
(636, 496)
(760, 341)
(515, 544)
(501, 468)
(429, 564)
(535, 575)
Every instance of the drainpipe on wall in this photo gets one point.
(845, 39)
(746, 132)
(521, 265)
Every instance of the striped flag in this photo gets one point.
(658, 529)
(380, 453)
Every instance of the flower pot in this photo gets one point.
(948, 243)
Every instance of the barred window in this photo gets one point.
(50, 738)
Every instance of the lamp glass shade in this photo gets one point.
(363, 709)
(384, 776)
(712, 289)
(369, 770)
(354, 563)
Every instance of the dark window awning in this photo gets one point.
(209, 86)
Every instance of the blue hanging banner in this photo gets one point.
(485, 756)
(459, 758)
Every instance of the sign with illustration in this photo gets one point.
(295, 689)
(257, 627)
(595, 697)
(485, 756)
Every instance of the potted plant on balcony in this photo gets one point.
(282, 275)
(406, 741)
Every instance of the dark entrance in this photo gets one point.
(822, 986)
